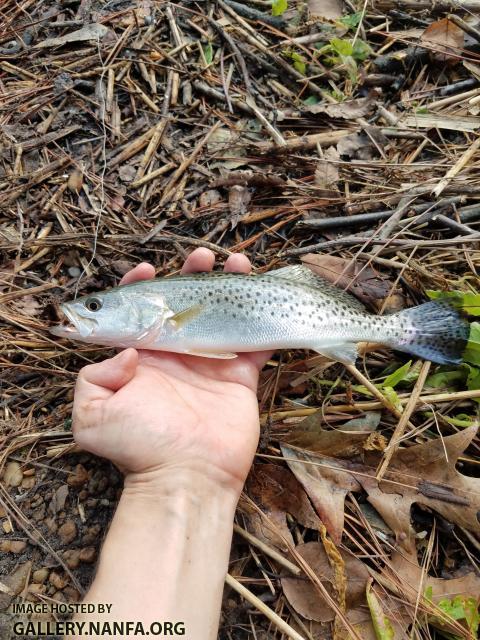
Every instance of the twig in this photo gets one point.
(457, 167)
(369, 405)
(281, 625)
(374, 391)
(393, 242)
(465, 26)
(268, 551)
(458, 227)
(404, 419)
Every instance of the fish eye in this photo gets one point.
(93, 304)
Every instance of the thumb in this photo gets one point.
(103, 378)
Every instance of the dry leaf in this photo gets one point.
(326, 173)
(28, 306)
(94, 31)
(347, 110)
(238, 200)
(306, 599)
(361, 281)
(14, 584)
(329, 9)
(277, 492)
(309, 434)
(326, 484)
(445, 38)
(209, 198)
(127, 173)
(425, 474)
(406, 570)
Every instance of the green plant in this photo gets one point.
(208, 52)
(279, 7)
(299, 62)
(462, 608)
(352, 20)
(347, 53)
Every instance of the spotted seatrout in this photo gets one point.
(217, 315)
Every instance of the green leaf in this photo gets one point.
(468, 301)
(472, 615)
(351, 67)
(299, 62)
(381, 624)
(208, 52)
(472, 351)
(462, 608)
(361, 50)
(397, 376)
(342, 47)
(461, 420)
(447, 379)
(311, 100)
(351, 21)
(392, 396)
(279, 7)
(473, 379)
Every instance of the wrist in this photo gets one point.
(181, 483)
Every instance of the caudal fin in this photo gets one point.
(435, 331)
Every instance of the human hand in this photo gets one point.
(154, 413)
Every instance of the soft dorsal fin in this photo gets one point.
(303, 275)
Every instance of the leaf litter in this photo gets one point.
(341, 133)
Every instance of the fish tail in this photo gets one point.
(435, 331)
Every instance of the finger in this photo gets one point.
(142, 271)
(199, 260)
(237, 263)
(100, 380)
(260, 358)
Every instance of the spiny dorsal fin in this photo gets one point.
(301, 274)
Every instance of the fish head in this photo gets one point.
(111, 318)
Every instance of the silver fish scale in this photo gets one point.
(217, 315)
(240, 311)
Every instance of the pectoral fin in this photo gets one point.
(220, 356)
(185, 316)
(346, 353)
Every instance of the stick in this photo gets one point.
(281, 625)
(457, 167)
(370, 404)
(268, 551)
(306, 142)
(404, 419)
(351, 368)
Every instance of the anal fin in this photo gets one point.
(346, 353)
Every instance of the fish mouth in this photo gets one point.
(75, 327)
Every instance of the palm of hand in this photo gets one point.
(173, 410)
(186, 411)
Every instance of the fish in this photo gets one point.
(218, 315)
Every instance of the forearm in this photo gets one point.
(166, 554)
